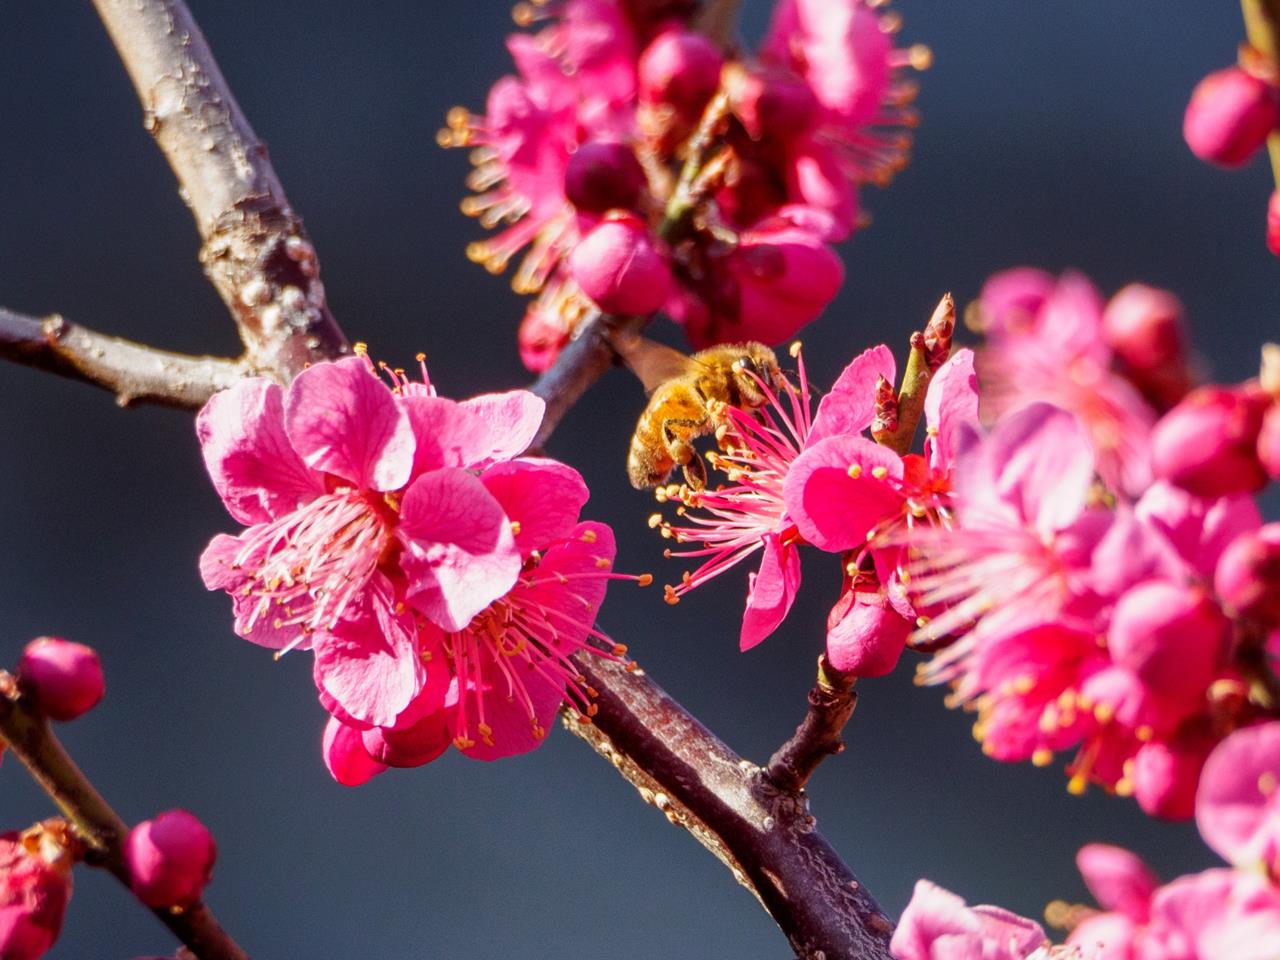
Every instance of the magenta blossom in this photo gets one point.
(1048, 345)
(938, 925)
(508, 670)
(367, 519)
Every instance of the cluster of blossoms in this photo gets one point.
(1230, 115)
(644, 168)
(1225, 913)
(1090, 575)
(441, 580)
(169, 858)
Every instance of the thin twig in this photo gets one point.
(929, 351)
(32, 742)
(831, 703)
(133, 372)
(256, 253)
(765, 836)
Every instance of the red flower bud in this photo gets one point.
(680, 68)
(1229, 116)
(773, 104)
(170, 859)
(1144, 327)
(62, 679)
(619, 267)
(1208, 443)
(1172, 637)
(1165, 776)
(1247, 577)
(603, 176)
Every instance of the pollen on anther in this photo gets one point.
(880, 472)
(360, 349)
(515, 528)
(619, 649)
(644, 579)
(855, 470)
(794, 349)
(602, 563)
(669, 595)
(588, 536)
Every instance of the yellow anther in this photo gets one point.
(644, 579)
(1042, 757)
(794, 349)
(880, 472)
(855, 470)
(589, 536)
(515, 528)
(603, 563)
(360, 349)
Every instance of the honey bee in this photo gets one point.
(683, 394)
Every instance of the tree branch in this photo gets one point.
(831, 703)
(32, 742)
(1262, 25)
(133, 372)
(765, 835)
(256, 253)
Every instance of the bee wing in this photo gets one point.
(654, 363)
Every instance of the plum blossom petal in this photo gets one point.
(343, 420)
(1238, 801)
(220, 570)
(950, 409)
(345, 756)
(542, 499)
(370, 665)
(1118, 879)
(840, 489)
(516, 726)
(850, 405)
(508, 423)
(248, 455)
(459, 552)
(410, 746)
(770, 592)
(865, 634)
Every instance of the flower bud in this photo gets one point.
(619, 267)
(35, 885)
(1208, 443)
(1247, 578)
(170, 860)
(680, 68)
(1171, 636)
(1165, 776)
(540, 338)
(865, 635)
(1269, 442)
(62, 679)
(1229, 116)
(345, 756)
(603, 176)
(1144, 327)
(773, 104)
(785, 277)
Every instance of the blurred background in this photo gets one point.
(1051, 136)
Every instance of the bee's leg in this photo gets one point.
(679, 436)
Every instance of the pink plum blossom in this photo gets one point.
(620, 267)
(1208, 443)
(509, 669)
(1048, 346)
(938, 925)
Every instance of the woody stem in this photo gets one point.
(28, 735)
(831, 703)
(1262, 25)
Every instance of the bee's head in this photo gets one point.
(754, 370)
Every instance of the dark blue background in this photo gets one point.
(1051, 135)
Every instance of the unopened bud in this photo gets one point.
(1247, 578)
(619, 266)
(773, 104)
(865, 635)
(1273, 223)
(1208, 443)
(1229, 116)
(1165, 776)
(170, 860)
(1144, 327)
(680, 68)
(603, 176)
(1172, 637)
(62, 679)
